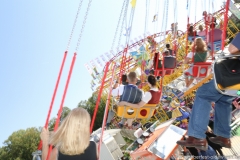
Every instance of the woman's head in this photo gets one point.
(152, 80)
(200, 27)
(73, 135)
(191, 29)
(199, 45)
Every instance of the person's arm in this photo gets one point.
(188, 58)
(232, 49)
(124, 103)
(45, 146)
(117, 90)
(234, 46)
(236, 104)
(54, 154)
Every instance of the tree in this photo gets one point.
(89, 105)
(20, 145)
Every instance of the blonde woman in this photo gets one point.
(198, 54)
(72, 139)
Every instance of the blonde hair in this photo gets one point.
(199, 45)
(73, 135)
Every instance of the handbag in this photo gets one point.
(227, 73)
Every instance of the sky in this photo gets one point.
(34, 36)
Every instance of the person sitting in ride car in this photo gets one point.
(198, 54)
(150, 97)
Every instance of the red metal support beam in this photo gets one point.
(225, 24)
(53, 96)
(106, 109)
(99, 96)
(63, 99)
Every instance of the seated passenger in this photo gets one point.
(124, 79)
(208, 18)
(200, 55)
(153, 43)
(129, 93)
(169, 61)
(111, 113)
(191, 32)
(170, 50)
(201, 31)
(150, 97)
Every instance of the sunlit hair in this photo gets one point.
(200, 27)
(199, 45)
(73, 135)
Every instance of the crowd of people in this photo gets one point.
(71, 140)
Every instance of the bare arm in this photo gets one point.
(44, 137)
(232, 49)
(54, 154)
(187, 60)
(139, 105)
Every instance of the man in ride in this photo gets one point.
(168, 48)
(111, 113)
(129, 93)
(199, 118)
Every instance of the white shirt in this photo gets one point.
(118, 91)
(190, 55)
(147, 96)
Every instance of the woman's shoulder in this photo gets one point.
(154, 90)
(92, 145)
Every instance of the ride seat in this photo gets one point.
(201, 69)
(217, 45)
(215, 37)
(169, 66)
(144, 112)
(191, 38)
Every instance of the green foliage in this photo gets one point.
(20, 145)
(89, 105)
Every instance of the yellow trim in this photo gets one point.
(233, 87)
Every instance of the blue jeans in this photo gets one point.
(200, 115)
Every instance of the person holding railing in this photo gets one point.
(71, 140)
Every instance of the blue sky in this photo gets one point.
(33, 38)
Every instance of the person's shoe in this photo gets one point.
(194, 142)
(224, 142)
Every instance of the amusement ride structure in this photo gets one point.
(136, 56)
